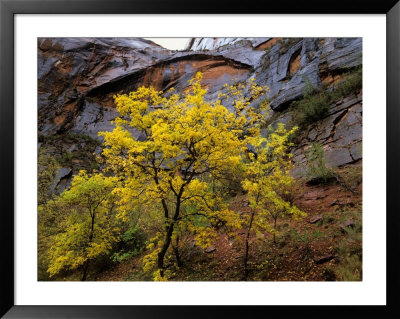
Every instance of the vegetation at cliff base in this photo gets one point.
(200, 181)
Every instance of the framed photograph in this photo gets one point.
(166, 160)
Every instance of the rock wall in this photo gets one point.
(70, 68)
(199, 44)
(77, 78)
(340, 133)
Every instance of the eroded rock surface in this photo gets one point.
(340, 133)
(78, 77)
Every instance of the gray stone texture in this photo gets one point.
(77, 78)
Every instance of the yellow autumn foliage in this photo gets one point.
(268, 180)
(186, 140)
(167, 157)
(91, 225)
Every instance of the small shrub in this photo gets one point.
(82, 157)
(47, 168)
(316, 102)
(312, 107)
(328, 219)
(350, 269)
(351, 83)
(317, 234)
(264, 270)
(350, 177)
(349, 251)
(300, 238)
(65, 158)
(121, 256)
(317, 171)
(131, 245)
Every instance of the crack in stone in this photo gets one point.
(336, 122)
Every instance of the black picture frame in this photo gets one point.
(8, 8)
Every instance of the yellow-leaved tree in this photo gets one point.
(187, 142)
(268, 183)
(48, 219)
(91, 224)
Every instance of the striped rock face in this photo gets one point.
(78, 77)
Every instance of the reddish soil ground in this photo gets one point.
(309, 249)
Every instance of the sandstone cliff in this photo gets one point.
(77, 78)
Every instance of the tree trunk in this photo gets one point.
(275, 229)
(164, 248)
(168, 233)
(86, 264)
(85, 270)
(246, 254)
(169, 230)
(176, 252)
